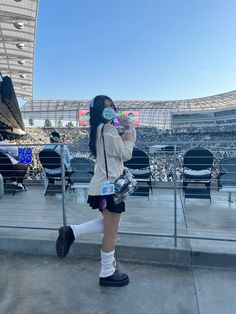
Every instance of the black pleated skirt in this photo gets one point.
(105, 201)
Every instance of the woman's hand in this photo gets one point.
(124, 121)
(128, 137)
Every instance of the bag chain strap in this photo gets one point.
(104, 151)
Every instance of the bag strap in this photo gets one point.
(105, 157)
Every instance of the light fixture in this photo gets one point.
(18, 0)
(22, 75)
(19, 25)
(21, 62)
(20, 45)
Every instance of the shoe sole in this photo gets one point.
(61, 245)
(122, 283)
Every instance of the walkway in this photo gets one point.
(40, 285)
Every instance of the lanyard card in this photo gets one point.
(107, 188)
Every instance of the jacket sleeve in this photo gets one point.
(115, 145)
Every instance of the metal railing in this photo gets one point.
(167, 210)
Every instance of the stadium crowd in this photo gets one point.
(221, 144)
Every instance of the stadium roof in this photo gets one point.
(205, 103)
(17, 39)
(156, 113)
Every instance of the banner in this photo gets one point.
(84, 117)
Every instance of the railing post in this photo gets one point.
(1, 186)
(63, 185)
(175, 199)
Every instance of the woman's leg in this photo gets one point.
(92, 226)
(111, 225)
(68, 234)
(109, 275)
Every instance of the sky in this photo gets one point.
(134, 49)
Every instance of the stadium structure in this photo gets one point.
(11, 122)
(165, 115)
(208, 120)
(17, 41)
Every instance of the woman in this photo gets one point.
(117, 149)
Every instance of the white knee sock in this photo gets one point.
(93, 226)
(108, 263)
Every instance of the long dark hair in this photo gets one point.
(96, 109)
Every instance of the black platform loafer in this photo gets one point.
(64, 241)
(118, 279)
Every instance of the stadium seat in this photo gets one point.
(139, 166)
(8, 173)
(227, 176)
(82, 172)
(197, 168)
(51, 160)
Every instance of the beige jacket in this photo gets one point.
(117, 151)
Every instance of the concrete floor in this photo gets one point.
(41, 285)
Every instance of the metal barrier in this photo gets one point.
(1, 186)
(167, 211)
